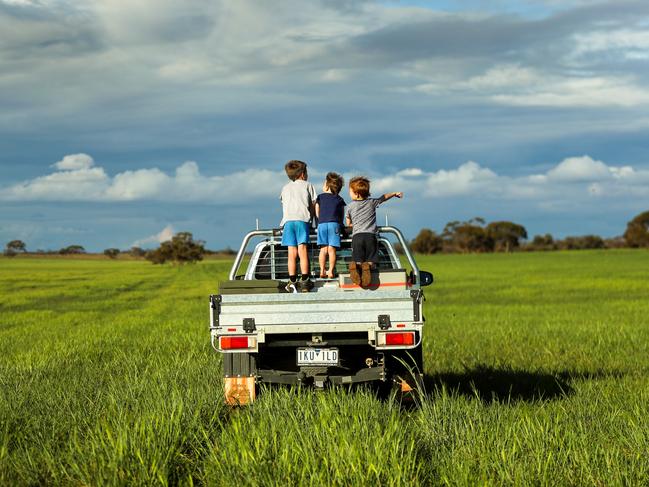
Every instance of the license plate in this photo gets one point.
(317, 356)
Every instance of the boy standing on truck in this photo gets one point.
(298, 198)
(330, 209)
(361, 215)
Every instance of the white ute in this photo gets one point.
(338, 333)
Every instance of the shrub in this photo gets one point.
(182, 248)
(637, 231)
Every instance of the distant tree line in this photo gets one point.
(182, 248)
(475, 235)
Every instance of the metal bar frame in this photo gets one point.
(270, 233)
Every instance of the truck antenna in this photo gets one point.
(386, 220)
(257, 223)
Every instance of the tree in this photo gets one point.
(506, 235)
(111, 253)
(16, 246)
(469, 236)
(427, 242)
(72, 249)
(137, 252)
(582, 242)
(182, 248)
(542, 242)
(637, 231)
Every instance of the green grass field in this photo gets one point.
(537, 373)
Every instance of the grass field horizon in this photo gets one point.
(536, 373)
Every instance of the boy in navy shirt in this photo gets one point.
(330, 209)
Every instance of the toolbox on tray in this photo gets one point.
(251, 287)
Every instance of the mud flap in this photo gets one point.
(239, 391)
(405, 387)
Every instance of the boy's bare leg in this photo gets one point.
(332, 261)
(304, 259)
(322, 258)
(292, 261)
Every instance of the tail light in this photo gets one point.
(396, 339)
(237, 342)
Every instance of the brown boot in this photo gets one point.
(353, 274)
(366, 274)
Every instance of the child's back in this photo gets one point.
(361, 215)
(298, 200)
(297, 197)
(330, 210)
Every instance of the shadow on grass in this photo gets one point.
(507, 385)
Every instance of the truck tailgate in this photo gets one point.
(321, 308)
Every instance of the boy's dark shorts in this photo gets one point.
(365, 248)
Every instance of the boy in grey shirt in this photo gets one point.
(361, 215)
(298, 200)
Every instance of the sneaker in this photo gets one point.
(304, 285)
(353, 274)
(290, 287)
(366, 274)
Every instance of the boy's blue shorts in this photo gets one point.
(329, 234)
(295, 233)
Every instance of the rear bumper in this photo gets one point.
(370, 374)
(269, 334)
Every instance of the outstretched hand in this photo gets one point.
(399, 194)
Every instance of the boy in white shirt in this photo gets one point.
(298, 200)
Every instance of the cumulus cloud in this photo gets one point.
(74, 162)
(579, 169)
(164, 235)
(572, 178)
(77, 179)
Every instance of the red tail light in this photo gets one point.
(236, 342)
(401, 338)
(395, 339)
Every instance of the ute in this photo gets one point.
(336, 334)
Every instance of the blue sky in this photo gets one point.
(122, 122)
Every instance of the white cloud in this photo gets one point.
(504, 76)
(582, 91)
(627, 40)
(513, 84)
(571, 176)
(74, 162)
(76, 180)
(469, 177)
(410, 172)
(164, 235)
(139, 184)
(84, 184)
(579, 169)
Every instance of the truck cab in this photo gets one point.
(336, 334)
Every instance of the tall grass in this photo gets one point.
(536, 374)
